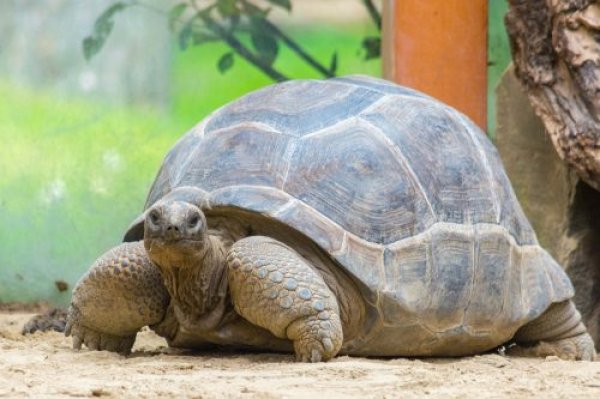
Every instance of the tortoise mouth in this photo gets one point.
(174, 242)
(174, 252)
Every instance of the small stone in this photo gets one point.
(552, 358)
(276, 277)
(290, 284)
(97, 392)
(318, 306)
(286, 302)
(323, 316)
(235, 264)
(305, 293)
(327, 344)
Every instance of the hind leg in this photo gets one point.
(557, 332)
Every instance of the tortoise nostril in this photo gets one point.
(173, 228)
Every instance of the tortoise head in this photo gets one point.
(175, 233)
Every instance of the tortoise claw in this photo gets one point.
(93, 339)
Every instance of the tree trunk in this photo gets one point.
(555, 46)
(556, 51)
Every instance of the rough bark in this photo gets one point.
(555, 46)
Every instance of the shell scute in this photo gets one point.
(359, 183)
(259, 199)
(380, 86)
(442, 155)
(241, 155)
(511, 215)
(306, 220)
(490, 281)
(296, 108)
(451, 287)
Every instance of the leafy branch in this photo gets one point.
(262, 63)
(292, 45)
(102, 28)
(372, 44)
(373, 13)
(233, 22)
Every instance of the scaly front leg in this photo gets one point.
(273, 287)
(122, 292)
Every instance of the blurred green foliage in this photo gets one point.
(75, 173)
(498, 57)
(243, 26)
(73, 176)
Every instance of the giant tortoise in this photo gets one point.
(323, 217)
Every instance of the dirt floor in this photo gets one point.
(44, 366)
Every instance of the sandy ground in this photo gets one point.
(44, 366)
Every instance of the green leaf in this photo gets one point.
(193, 30)
(266, 46)
(264, 43)
(205, 12)
(185, 34)
(333, 63)
(102, 27)
(104, 24)
(234, 22)
(372, 47)
(287, 4)
(254, 11)
(90, 47)
(175, 13)
(225, 62)
(228, 8)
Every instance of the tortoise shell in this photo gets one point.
(406, 194)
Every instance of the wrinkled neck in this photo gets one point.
(198, 286)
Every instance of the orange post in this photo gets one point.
(439, 47)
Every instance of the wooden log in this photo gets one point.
(556, 51)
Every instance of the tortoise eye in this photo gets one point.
(154, 217)
(193, 221)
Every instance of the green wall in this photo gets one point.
(73, 176)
